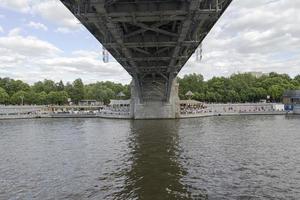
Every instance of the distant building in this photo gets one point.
(291, 100)
(90, 103)
(119, 103)
(121, 95)
(189, 94)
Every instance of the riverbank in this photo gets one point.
(232, 109)
(197, 115)
(206, 110)
(22, 112)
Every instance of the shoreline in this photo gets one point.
(189, 111)
(124, 117)
(231, 114)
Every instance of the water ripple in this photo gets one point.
(241, 157)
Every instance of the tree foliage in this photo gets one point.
(75, 90)
(3, 96)
(57, 98)
(236, 88)
(50, 92)
(104, 91)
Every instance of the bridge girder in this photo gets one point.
(151, 39)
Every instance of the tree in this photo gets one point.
(49, 86)
(3, 96)
(211, 97)
(35, 98)
(38, 86)
(199, 96)
(18, 97)
(12, 86)
(60, 86)
(41, 98)
(76, 91)
(31, 97)
(276, 92)
(58, 98)
(100, 92)
(237, 88)
(104, 91)
(46, 86)
(260, 93)
(233, 96)
(192, 82)
(297, 78)
(127, 91)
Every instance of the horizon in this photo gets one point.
(38, 44)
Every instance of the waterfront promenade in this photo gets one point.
(205, 110)
(232, 109)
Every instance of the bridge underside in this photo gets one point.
(151, 39)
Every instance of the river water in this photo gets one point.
(239, 157)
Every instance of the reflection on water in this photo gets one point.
(240, 157)
(155, 172)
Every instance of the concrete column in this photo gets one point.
(155, 109)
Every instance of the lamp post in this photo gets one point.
(22, 100)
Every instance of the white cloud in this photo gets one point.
(82, 53)
(51, 10)
(37, 25)
(252, 36)
(1, 29)
(82, 65)
(26, 46)
(15, 32)
(19, 5)
(85, 64)
(56, 12)
(31, 59)
(63, 30)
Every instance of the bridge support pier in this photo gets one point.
(152, 40)
(155, 109)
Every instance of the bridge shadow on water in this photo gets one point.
(155, 172)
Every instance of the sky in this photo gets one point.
(41, 39)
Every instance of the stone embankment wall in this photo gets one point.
(21, 112)
(29, 112)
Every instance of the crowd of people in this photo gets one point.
(194, 109)
(202, 108)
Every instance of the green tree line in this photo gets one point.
(236, 88)
(16, 92)
(243, 87)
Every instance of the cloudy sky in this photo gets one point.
(40, 39)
